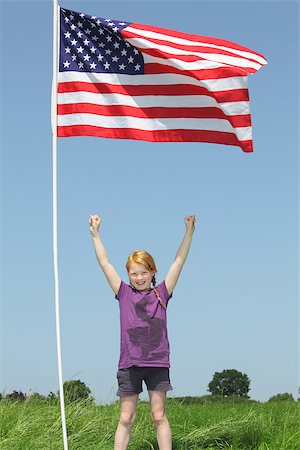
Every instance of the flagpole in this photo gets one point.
(54, 187)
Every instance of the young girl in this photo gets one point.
(144, 350)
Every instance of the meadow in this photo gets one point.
(35, 425)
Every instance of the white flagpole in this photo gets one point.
(54, 186)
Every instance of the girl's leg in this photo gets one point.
(127, 418)
(158, 404)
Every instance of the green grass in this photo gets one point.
(220, 425)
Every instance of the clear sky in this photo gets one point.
(236, 304)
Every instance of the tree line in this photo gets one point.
(228, 384)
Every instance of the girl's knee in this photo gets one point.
(127, 419)
(158, 417)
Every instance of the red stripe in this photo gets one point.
(215, 137)
(187, 48)
(192, 37)
(153, 113)
(234, 95)
(199, 74)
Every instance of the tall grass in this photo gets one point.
(36, 426)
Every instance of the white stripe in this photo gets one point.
(183, 65)
(199, 65)
(243, 133)
(156, 35)
(235, 108)
(148, 101)
(230, 60)
(159, 79)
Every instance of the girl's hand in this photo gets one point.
(190, 222)
(94, 222)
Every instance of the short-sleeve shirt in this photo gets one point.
(143, 321)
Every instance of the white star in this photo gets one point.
(68, 34)
(82, 15)
(66, 20)
(93, 25)
(122, 23)
(74, 42)
(98, 22)
(71, 17)
(115, 29)
(93, 66)
(124, 52)
(68, 50)
(109, 38)
(100, 57)
(95, 38)
(108, 52)
(94, 17)
(74, 57)
(136, 51)
(66, 64)
(115, 59)
(101, 31)
(86, 57)
(80, 49)
(127, 45)
(87, 31)
(106, 65)
(79, 24)
(80, 65)
(116, 45)
(122, 66)
(93, 49)
(130, 59)
(73, 27)
(137, 67)
(79, 34)
(107, 20)
(86, 42)
(101, 44)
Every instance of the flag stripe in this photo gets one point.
(141, 90)
(155, 79)
(143, 45)
(185, 38)
(243, 133)
(222, 72)
(215, 53)
(241, 107)
(153, 113)
(214, 137)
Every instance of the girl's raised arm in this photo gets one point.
(112, 276)
(181, 255)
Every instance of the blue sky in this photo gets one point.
(236, 304)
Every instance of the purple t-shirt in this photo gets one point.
(144, 337)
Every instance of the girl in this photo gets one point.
(144, 346)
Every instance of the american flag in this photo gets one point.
(131, 81)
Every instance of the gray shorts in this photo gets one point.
(130, 380)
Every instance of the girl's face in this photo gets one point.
(140, 278)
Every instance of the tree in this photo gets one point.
(229, 382)
(52, 398)
(76, 390)
(18, 396)
(281, 397)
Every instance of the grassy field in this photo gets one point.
(33, 425)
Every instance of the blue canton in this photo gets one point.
(93, 44)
